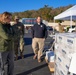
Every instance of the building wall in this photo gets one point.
(64, 24)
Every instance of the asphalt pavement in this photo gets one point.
(29, 66)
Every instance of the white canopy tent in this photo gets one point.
(69, 14)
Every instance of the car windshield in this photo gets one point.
(73, 26)
(49, 28)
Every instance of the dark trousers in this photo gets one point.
(7, 57)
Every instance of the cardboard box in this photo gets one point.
(50, 56)
(51, 66)
(64, 46)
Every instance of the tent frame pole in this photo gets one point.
(71, 21)
(53, 27)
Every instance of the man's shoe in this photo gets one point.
(16, 58)
(21, 54)
(39, 60)
(35, 57)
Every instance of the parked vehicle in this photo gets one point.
(49, 28)
(72, 29)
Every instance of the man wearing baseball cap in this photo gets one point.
(19, 42)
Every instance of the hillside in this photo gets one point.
(47, 13)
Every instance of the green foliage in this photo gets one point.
(47, 13)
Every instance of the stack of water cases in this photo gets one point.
(50, 60)
(65, 45)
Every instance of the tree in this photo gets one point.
(47, 13)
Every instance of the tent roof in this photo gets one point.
(67, 14)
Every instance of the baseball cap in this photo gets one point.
(16, 17)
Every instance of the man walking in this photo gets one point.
(39, 34)
(19, 42)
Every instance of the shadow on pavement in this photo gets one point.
(33, 69)
(28, 41)
(26, 55)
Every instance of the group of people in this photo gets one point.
(11, 40)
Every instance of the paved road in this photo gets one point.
(28, 66)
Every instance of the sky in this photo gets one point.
(23, 5)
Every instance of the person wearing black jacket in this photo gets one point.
(39, 34)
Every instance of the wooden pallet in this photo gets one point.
(51, 67)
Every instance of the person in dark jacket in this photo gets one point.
(19, 42)
(6, 44)
(39, 34)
